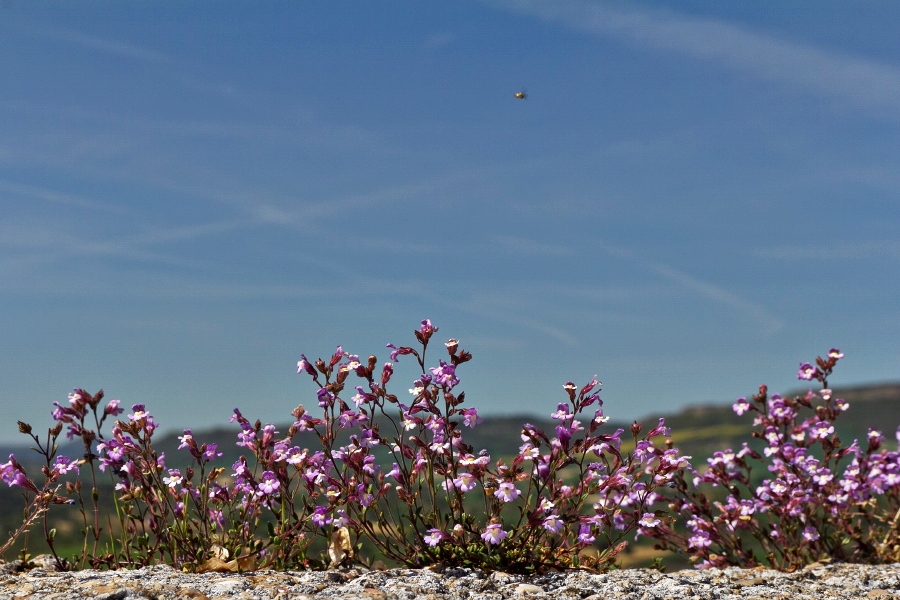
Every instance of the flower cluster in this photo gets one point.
(424, 509)
(809, 507)
(566, 499)
(397, 474)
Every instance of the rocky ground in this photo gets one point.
(162, 582)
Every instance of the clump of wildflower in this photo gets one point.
(808, 507)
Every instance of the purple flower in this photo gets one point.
(494, 534)
(351, 419)
(562, 412)
(741, 406)
(643, 451)
(269, 483)
(835, 354)
(821, 430)
(445, 375)
(304, 365)
(64, 464)
(779, 409)
(584, 535)
(811, 534)
(113, 409)
(553, 524)
(660, 430)
(8, 469)
(342, 519)
(700, 539)
(210, 453)
(435, 538)
(186, 439)
(807, 372)
(217, 518)
(471, 417)
(427, 329)
(507, 492)
(368, 439)
(465, 482)
(174, 478)
(326, 398)
(246, 437)
(319, 517)
(649, 520)
(139, 413)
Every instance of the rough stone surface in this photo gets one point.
(165, 583)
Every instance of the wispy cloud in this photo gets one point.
(706, 289)
(42, 242)
(855, 81)
(841, 251)
(171, 65)
(439, 40)
(714, 292)
(12, 189)
(113, 47)
(525, 247)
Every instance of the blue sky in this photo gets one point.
(694, 198)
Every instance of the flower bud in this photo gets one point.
(452, 345)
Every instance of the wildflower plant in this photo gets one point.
(443, 502)
(189, 519)
(567, 499)
(39, 500)
(821, 499)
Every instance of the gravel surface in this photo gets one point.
(817, 581)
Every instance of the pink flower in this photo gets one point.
(494, 534)
(821, 430)
(113, 409)
(304, 365)
(445, 375)
(584, 535)
(64, 464)
(269, 483)
(649, 520)
(562, 412)
(435, 538)
(741, 406)
(465, 482)
(174, 478)
(553, 524)
(807, 372)
(507, 492)
(471, 417)
(660, 430)
(700, 539)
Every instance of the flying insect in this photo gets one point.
(522, 95)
